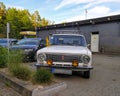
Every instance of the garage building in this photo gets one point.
(102, 33)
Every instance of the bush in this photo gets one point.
(21, 72)
(3, 57)
(15, 59)
(15, 66)
(15, 56)
(42, 76)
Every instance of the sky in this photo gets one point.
(61, 11)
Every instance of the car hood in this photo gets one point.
(65, 49)
(24, 47)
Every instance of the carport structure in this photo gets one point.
(28, 33)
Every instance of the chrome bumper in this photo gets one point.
(64, 67)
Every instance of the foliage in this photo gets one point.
(21, 72)
(42, 76)
(15, 57)
(20, 20)
(3, 57)
(2, 18)
(15, 66)
(36, 19)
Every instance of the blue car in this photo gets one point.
(29, 47)
(3, 42)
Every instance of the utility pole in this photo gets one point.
(86, 13)
(36, 25)
(8, 31)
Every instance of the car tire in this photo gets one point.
(86, 74)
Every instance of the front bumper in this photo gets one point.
(64, 67)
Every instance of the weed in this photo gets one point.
(42, 76)
(15, 66)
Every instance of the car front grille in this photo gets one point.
(64, 58)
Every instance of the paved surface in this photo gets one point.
(7, 91)
(104, 81)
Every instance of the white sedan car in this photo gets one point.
(67, 53)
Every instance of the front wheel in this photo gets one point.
(86, 74)
(35, 57)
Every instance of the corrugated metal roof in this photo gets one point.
(106, 19)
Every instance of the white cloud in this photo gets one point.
(69, 2)
(88, 3)
(98, 11)
(48, 1)
(99, 2)
(114, 13)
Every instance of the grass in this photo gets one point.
(3, 57)
(42, 76)
(15, 66)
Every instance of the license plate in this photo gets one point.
(61, 71)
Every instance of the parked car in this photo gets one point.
(67, 53)
(29, 47)
(3, 42)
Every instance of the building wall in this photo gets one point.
(109, 34)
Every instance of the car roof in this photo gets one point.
(32, 39)
(69, 34)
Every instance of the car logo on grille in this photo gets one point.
(62, 58)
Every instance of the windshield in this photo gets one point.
(68, 40)
(3, 41)
(28, 42)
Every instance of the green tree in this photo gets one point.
(2, 10)
(44, 22)
(24, 16)
(2, 18)
(13, 19)
(36, 19)
(20, 20)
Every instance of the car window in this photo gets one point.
(28, 42)
(68, 40)
(43, 42)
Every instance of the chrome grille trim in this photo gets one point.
(64, 58)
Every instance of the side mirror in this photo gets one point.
(89, 46)
(42, 45)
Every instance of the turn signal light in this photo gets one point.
(75, 63)
(49, 62)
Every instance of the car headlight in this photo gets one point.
(85, 59)
(42, 57)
